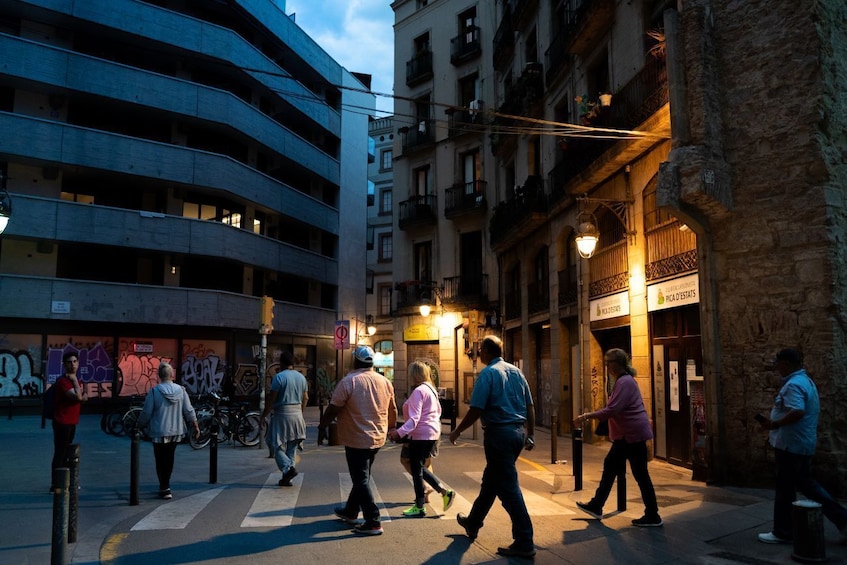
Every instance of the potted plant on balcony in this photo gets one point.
(589, 109)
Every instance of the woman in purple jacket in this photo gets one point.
(629, 430)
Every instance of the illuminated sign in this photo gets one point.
(420, 332)
(670, 294)
(613, 306)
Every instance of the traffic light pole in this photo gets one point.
(263, 365)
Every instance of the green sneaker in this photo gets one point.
(415, 512)
(448, 497)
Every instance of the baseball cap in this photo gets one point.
(364, 354)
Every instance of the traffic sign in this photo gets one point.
(342, 334)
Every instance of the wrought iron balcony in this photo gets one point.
(421, 136)
(461, 199)
(585, 21)
(419, 68)
(521, 214)
(471, 292)
(460, 122)
(465, 46)
(418, 210)
(411, 294)
(504, 40)
(556, 57)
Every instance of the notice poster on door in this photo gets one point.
(673, 374)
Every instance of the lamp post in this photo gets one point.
(5, 204)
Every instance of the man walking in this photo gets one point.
(69, 396)
(793, 425)
(364, 403)
(287, 398)
(501, 399)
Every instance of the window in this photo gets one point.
(76, 197)
(371, 188)
(386, 247)
(422, 181)
(385, 201)
(384, 299)
(387, 160)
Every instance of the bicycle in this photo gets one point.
(121, 419)
(233, 422)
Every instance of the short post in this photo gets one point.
(73, 495)
(213, 454)
(11, 406)
(554, 438)
(807, 522)
(134, 466)
(576, 440)
(59, 549)
(622, 491)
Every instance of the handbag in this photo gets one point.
(602, 428)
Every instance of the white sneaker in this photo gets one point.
(770, 537)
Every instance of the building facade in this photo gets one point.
(170, 163)
(623, 121)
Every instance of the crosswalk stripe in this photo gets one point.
(273, 505)
(535, 504)
(345, 484)
(177, 514)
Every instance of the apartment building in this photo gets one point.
(640, 126)
(170, 163)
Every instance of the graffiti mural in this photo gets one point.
(96, 370)
(200, 375)
(16, 375)
(246, 380)
(138, 372)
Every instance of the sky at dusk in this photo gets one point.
(359, 34)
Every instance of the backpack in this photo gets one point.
(48, 403)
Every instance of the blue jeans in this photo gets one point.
(615, 463)
(503, 445)
(285, 458)
(359, 463)
(793, 473)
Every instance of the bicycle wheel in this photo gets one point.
(115, 422)
(130, 421)
(249, 429)
(222, 419)
(205, 425)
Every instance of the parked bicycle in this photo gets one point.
(121, 419)
(233, 421)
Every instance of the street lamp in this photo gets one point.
(371, 327)
(426, 307)
(588, 235)
(5, 204)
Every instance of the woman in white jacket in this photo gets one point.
(166, 409)
(422, 411)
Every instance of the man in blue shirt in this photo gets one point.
(793, 425)
(288, 397)
(501, 399)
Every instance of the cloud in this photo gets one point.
(359, 34)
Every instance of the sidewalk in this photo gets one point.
(703, 524)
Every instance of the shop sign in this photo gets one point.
(613, 306)
(420, 333)
(673, 293)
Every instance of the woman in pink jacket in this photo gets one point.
(629, 430)
(422, 428)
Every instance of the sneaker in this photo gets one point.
(340, 513)
(648, 521)
(165, 494)
(591, 509)
(448, 498)
(415, 512)
(470, 531)
(770, 537)
(514, 551)
(368, 529)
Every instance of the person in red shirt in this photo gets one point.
(69, 396)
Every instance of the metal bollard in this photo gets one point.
(807, 522)
(622, 491)
(213, 455)
(59, 549)
(73, 494)
(134, 466)
(576, 440)
(554, 439)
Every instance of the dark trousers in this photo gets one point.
(793, 473)
(63, 437)
(164, 455)
(419, 452)
(615, 464)
(359, 463)
(503, 445)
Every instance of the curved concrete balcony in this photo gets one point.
(59, 220)
(48, 142)
(114, 303)
(186, 33)
(55, 67)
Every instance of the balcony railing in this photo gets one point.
(411, 294)
(421, 136)
(568, 287)
(585, 21)
(556, 57)
(465, 46)
(465, 290)
(504, 40)
(463, 198)
(419, 68)
(418, 210)
(522, 97)
(609, 270)
(466, 121)
(520, 214)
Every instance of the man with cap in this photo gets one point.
(793, 427)
(363, 402)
